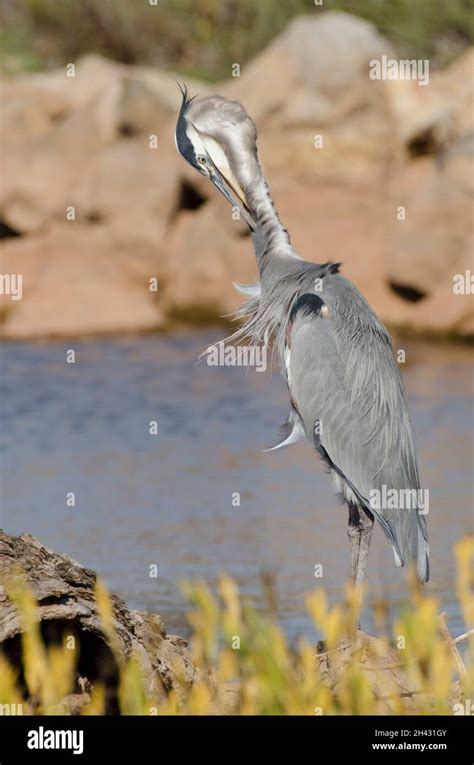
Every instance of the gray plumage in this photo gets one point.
(345, 388)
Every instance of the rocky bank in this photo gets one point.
(95, 202)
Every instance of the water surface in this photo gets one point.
(167, 499)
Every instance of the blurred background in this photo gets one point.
(204, 38)
(96, 205)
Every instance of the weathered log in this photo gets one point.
(65, 594)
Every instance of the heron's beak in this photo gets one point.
(230, 188)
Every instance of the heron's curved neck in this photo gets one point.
(270, 238)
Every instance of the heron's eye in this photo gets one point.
(201, 159)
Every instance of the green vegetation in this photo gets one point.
(236, 647)
(204, 37)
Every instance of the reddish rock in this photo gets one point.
(83, 142)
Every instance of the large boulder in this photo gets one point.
(69, 142)
(432, 246)
(32, 104)
(80, 280)
(89, 201)
(150, 98)
(435, 240)
(41, 174)
(313, 79)
(206, 253)
(439, 113)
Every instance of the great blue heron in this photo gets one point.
(346, 393)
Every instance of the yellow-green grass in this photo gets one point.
(248, 654)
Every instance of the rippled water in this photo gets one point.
(167, 499)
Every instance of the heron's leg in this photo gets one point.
(359, 531)
(366, 530)
(353, 532)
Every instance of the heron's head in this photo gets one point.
(218, 138)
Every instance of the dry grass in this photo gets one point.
(245, 662)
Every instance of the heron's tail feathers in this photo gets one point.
(405, 528)
(407, 533)
(412, 548)
(423, 558)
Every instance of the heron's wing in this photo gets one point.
(342, 375)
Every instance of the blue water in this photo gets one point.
(166, 499)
